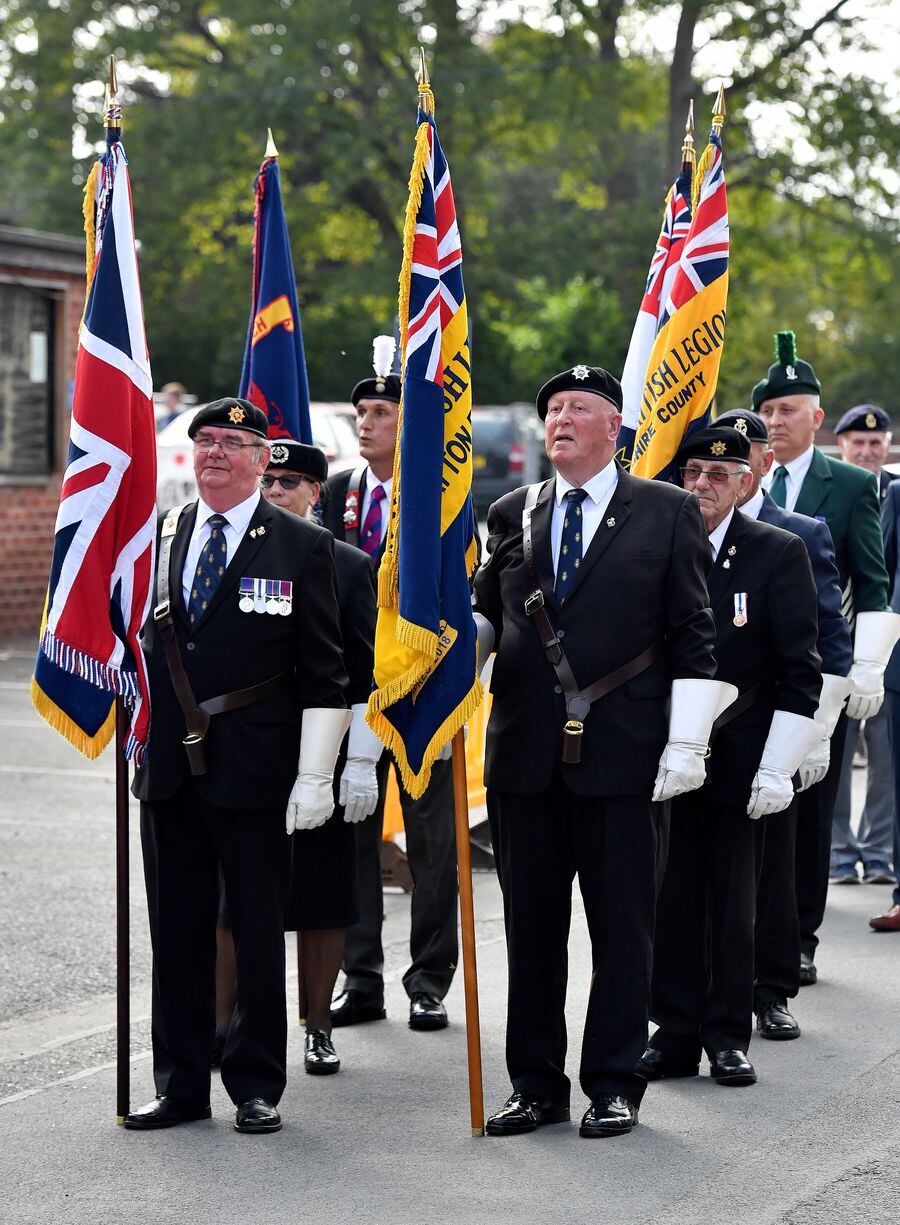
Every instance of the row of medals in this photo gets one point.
(247, 604)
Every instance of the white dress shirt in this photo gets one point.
(718, 534)
(796, 472)
(370, 483)
(754, 505)
(238, 521)
(599, 489)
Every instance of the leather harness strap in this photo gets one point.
(578, 701)
(353, 496)
(196, 715)
(740, 704)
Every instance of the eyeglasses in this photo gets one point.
(286, 482)
(716, 476)
(230, 446)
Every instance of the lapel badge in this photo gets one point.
(611, 522)
(351, 508)
(732, 549)
(740, 608)
(260, 531)
(726, 564)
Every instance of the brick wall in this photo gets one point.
(27, 513)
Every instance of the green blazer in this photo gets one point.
(846, 498)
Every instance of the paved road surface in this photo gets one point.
(816, 1141)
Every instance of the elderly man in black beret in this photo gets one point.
(246, 679)
(595, 594)
(764, 602)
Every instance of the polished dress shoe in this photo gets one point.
(256, 1117)
(731, 1068)
(657, 1065)
(521, 1114)
(878, 873)
(218, 1050)
(319, 1056)
(426, 1012)
(165, 1111)
(889, 922)
(352, 1007)
(776, 1022)
(808, 972)
(609, 1116)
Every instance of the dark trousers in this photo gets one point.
(431, 851)
(702, 997)
(184, 843)
(541, 842)
(813, 854)
(892, 698)
(777, 959)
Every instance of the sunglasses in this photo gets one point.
(286, 482)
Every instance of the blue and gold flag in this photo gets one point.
(425, 682)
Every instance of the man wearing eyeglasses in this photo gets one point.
(764, 601)
(247, 680)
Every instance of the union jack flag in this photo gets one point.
(101, 575)
(425, 682)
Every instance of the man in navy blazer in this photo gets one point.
(890, 524)
(777, 921)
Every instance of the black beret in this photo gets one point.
(374, 388)
(713, 443)
(298, 457)
(745, 422)
(864, 417)
(581, 378)
(231, 414)
(788, 376)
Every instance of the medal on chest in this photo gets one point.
(740, 608)
(266, 595)
(351, 508)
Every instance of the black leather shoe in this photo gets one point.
(165, 1111)
(609, 1116)
(521, 1114)
(657, 1065)
(426, 1012)
(353, 1007)
(776, 1022)
(808, 972)
(256, 1117)
(732, 1068)
(218, 1050)
(319, 1057)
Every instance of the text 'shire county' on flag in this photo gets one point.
(274, 371)
(425, 683)
(683, 367)
(101, 575)
(652, 314)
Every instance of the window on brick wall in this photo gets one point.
(27, 319)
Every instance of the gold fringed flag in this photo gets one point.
(425, 682)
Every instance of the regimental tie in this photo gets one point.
(370, 536)
(210, 568)
(570, 550)
(778, 488)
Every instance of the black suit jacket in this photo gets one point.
(252, 752)
(642, 581)
(356, 600)
(890, 526)
(776, 648)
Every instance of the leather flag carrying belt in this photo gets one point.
(578, 701)
(196, 714)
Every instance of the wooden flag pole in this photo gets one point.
(123, 960)
(467, 917)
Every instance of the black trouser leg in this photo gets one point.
(363, 962)
(431, 851)
(182, 876)
(536, 867)
(777, 948)
(813, 854)
(255, 853)
(615, 847)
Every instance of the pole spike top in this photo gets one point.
(687, 148)
(113, 84)
(426, 97)
(719, 110)
(271, 150)
(112, 112)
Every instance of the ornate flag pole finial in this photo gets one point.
(719, 111)
(425, 95)
(112, 112)
(687, 148)
(271, 150)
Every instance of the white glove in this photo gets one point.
(484, 641)
(359, 785)
(876, 634)
(311, 801)
(695, 706)
(790, 739)
(815, 764)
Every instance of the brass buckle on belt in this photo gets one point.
(574, 727)
(534, 603)
(571, 747)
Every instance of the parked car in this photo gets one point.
(507, 451)
(333, 427)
